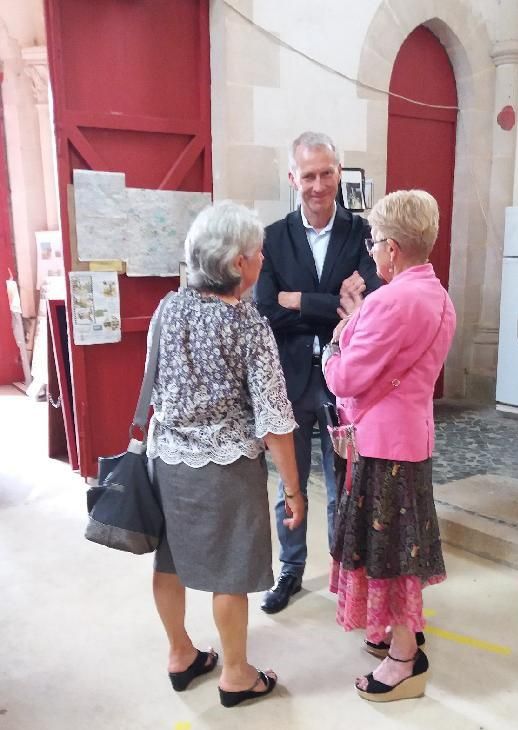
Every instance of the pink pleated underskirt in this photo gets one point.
(375, 604)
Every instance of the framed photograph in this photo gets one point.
(369, 194)
(353, 188)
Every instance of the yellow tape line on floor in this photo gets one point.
(469, 641)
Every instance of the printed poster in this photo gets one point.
(95, 300)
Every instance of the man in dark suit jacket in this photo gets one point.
(310, 258)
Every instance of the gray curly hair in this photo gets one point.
(217, 235)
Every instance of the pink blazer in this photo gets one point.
(395, 325)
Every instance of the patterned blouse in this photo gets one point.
(219, 386)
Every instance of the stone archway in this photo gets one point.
(468, 45)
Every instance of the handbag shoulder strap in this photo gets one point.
(146, 389)
(395, 382)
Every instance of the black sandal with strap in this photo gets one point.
(181, 680)
(381, 649)
(231, 699)
(413, 686)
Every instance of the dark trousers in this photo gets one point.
(308, 411)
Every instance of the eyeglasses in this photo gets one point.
(370, 243)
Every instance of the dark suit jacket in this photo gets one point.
(289, 266)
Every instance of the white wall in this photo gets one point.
(21, 28)
(24, 21)
(265, 94)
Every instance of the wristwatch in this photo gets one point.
(332, 348)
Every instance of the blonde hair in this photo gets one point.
(410, 217)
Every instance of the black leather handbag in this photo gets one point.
(124, 509)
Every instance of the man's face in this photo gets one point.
(316, 177)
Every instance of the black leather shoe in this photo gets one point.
(280, 593)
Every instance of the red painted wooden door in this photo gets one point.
(10, 367)
(131, 84)
(421, 139)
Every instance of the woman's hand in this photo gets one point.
(340, 326)
(295, 509)
(282, 451)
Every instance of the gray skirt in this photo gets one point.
(217, 525)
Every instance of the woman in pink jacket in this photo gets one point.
(382, 367)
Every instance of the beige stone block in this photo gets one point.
(376, 69)
(374, 165)
(456, 353)
(270, 211)
(478, 535)
(244, 6)
(239, 114)
(252, 173)
(386, 35)
(251, 57)
(454, 382)
(377, 127)
(399, 18)
(485, 358)
(380, 186)
(411, 15)
(354, 158)
(480, 388)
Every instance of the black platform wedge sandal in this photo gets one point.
(181, 680)
(407, 689)
(231, 699)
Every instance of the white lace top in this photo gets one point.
(219, 386)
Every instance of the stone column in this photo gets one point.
(481, 382)
(36, 67)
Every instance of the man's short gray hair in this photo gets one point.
(217, 235)
(410, 217)
(311, 140)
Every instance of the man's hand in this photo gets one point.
(290, 299)
(351, 294)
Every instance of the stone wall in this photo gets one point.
(28, 137)
(280, 68)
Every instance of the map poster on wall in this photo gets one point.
(95, 307)
(158, 222)
(144, 228)
(101, 215)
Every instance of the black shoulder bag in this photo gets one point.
(124, 509)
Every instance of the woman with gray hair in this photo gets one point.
(382, 367)
(219, 396)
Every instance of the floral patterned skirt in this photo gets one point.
(386, 546)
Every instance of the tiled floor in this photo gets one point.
(468, 441)
(474, 440)
(81, 646)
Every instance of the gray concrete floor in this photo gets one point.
(81, 646)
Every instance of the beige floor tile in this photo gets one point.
(81, 646)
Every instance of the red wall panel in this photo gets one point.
(131, 83)
(421, 139)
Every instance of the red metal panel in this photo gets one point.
(421, 140)
(10, 366)
(131, 84)
(59, 372)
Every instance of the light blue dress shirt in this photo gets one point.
(318, 243)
